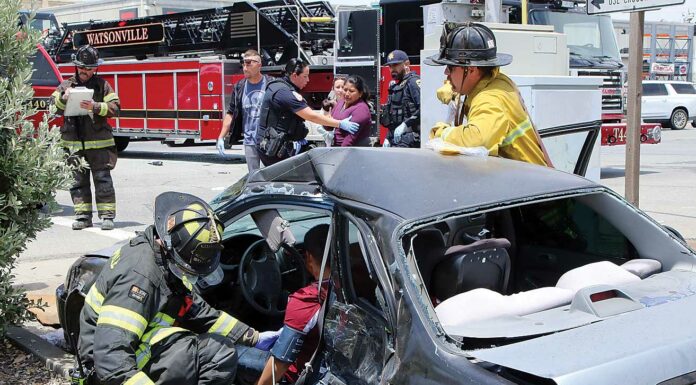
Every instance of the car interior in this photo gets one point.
(263, 263)
(485, 271)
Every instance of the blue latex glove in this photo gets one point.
(267, 339)
(386, 143)
(220, 145)
(348, 126)
(327, 135)
(398, 131)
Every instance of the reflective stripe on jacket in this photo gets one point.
(94, 131)
(497, 120)
(131, 308)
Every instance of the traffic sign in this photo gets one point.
(609, 6)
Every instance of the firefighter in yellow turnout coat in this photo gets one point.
(90, 137)
(496, 116)
(143, 322)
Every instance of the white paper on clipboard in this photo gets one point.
(77, 95)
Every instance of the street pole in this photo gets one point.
(635, 90)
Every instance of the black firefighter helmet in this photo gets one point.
(470, 45)
(86, 56)
(191, 235)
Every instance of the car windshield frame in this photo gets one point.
(577, 27)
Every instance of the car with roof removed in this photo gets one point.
(456, 270)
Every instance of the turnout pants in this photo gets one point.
(101, 161)
(189, 359)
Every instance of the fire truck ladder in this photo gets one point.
(225, 31)
(311, 24)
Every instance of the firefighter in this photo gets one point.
(90, 137)
(496, 116)
(143, 321)
(284, 111)
(243, 109)
(401, 113)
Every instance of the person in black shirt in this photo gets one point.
(284, 111)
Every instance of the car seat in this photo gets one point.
(482, 264)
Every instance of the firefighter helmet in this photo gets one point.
(190, 233)
(470, 45)
(86, 56)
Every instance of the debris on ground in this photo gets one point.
(20, 367)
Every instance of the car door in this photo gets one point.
(654, 101)
(356, 332)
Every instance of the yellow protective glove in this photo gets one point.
(437, 129)
(446, 93)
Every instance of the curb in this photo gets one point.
(57, 360)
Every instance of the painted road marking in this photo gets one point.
(117, 234)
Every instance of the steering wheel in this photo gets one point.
(264, 275)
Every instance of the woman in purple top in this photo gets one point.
(354, 105)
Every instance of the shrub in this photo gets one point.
(32, 162)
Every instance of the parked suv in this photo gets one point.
(671, 103)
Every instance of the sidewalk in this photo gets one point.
(42, 266)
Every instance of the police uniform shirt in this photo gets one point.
(289, 99)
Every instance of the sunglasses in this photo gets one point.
(84, 68)
(249, 61)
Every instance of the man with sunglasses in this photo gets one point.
(90, 137)
(401, 113)
(145, 323)
(244, 107)
(284, 111)
(496, 116)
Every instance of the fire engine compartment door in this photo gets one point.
(357, 51)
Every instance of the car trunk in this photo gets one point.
(646, 336)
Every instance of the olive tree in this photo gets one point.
(32, 162)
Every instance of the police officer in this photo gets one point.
(401, 114)
(496, 116)
(144, 323)
(90, 137)
(284, 111)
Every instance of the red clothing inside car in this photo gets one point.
(301, 315)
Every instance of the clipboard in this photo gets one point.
(77, 95)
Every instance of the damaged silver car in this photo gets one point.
(461, 270)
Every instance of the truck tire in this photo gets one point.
(679, 119)
(121, 142)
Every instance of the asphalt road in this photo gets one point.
(145, 169)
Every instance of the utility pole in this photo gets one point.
(635, 90)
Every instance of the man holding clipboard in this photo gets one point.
(86, 101)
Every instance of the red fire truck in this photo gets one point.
(174, 73)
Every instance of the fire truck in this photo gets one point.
(174, 73)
